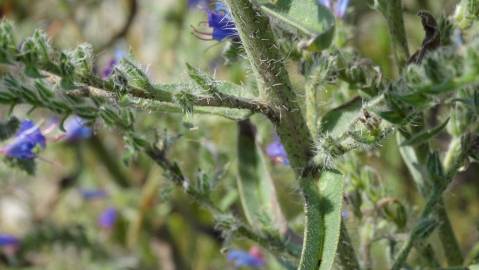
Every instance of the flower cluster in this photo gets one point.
(26, 142)
(29, 139)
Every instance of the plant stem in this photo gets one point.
(274, 85)
(117, 172)
(435, 204)
(275, 88)
(392, 11)
(448, 239)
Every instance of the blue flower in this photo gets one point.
(276, 152)
(7, 240)
(76, 129)
(339, 9)
(108, 69)
(245, 259)
(92, 194)
(222, 24)
(107, 218)
(27, 139)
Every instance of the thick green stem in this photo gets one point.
(274, 85)
(275, 88)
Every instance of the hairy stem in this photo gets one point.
(274, 85)
(435, 205)
(392, 11)
(275, 88)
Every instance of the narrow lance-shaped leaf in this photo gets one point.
(331, 189)
(255, 186)
(425, 135)
(306, 17)
(337, 121)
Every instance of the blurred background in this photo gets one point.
(92, 205)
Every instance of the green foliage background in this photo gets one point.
(159, 225)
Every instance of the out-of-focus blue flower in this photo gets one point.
(92, 194)
(340, 7)
(245, 259)
(222, 24)
(198, 3)
(276, 152)
(108, 69)
(8, 240)
(27, 139)
(107, 218)
(326, 3)
(76, 129)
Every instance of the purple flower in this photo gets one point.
(108, 69)
(245, 259)
(76, 129)
(222, 24)
(26, 140)
(276, 152)
(8, 240)
(339, 8)
(107, 218)
(92, 194)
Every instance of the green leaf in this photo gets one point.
(256, 188)
(306, 17)
(425, 135)
(8, 128)
(331, 189)
(212, 86)
(26, 165)
(337, 121)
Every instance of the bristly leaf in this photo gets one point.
(337, 121)
(255, 186)
(331, 189)
(8, 47)
(311, 20)
(425, 135)
(212, 86)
